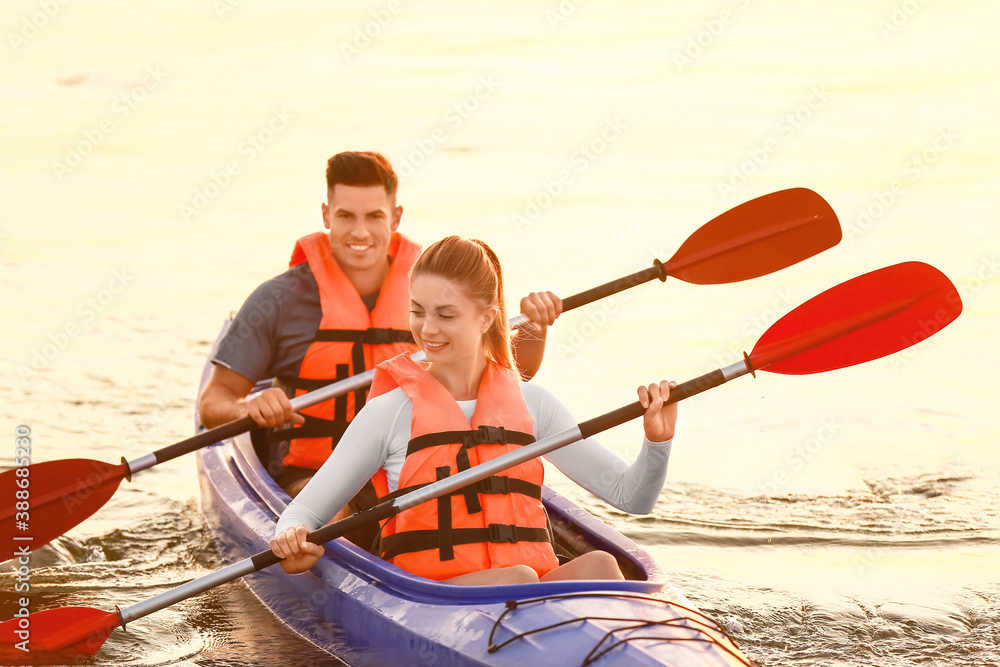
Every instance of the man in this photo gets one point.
(341, 307)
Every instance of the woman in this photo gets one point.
(428, 421)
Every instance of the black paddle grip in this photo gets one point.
(205, 438)
(615, 286)
(333, 530)
(630, 412)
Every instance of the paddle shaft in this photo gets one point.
(755, 238)
(605, 290)
(883, 311)
(534, 450)
(453, 483)
(363, 380)
(244, 424)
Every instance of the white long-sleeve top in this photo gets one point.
(379, 434)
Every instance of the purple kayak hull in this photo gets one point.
(369, 612)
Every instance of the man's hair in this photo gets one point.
(362, 169)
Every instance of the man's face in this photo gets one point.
(360, 220)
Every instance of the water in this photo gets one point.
(160, 158)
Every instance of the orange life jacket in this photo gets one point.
(497, 522)
(350, 340)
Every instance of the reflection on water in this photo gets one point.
(844, 593)
(151, 553)
(904, 573)
(832, 622)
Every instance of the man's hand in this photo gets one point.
(542, 308)
(224, 400)
(272, 408)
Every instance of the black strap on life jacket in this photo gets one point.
(422, 540)
(494, 484)
(445, 537)
(484, 435)
(315, 427)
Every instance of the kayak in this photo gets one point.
(366, 611)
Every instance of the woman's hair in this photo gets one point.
(473, 264)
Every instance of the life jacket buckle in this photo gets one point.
(491, 435)
(495, 484)
(502, 532)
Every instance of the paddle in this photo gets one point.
(755, 238)
(862, 319)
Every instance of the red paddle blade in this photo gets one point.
(47, 499)
(757, 237)
(83, 629)
(871, 316)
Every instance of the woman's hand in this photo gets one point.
(299, 555)
(659, 420)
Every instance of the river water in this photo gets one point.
(160, 158)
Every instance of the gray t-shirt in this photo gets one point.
(274, 328)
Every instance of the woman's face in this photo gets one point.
(446, 322)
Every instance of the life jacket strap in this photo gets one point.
(308, 384)
(313, 427)
(484, 435)
(423, 540)
(370, 336)
(445, 543)
(360, 338)
(445, 537)
(317, 427)
(494, 484)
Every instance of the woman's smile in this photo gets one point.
(447, 324)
